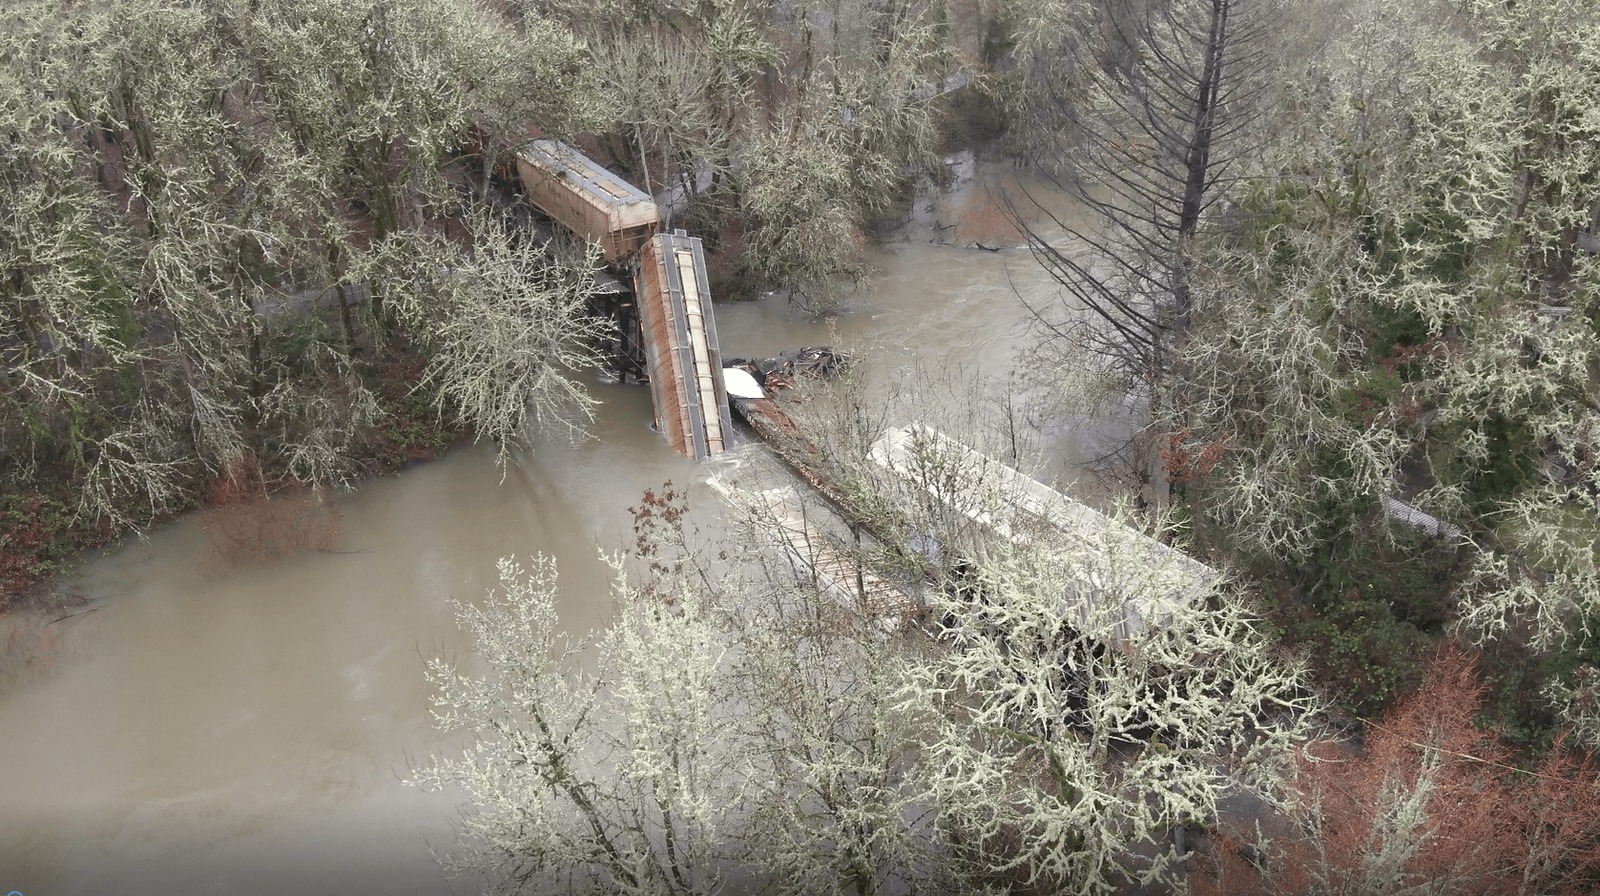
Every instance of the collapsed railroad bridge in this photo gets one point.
(658, 294)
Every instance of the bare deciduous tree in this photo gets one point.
(1149, 127)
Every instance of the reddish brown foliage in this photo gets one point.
(411, 429)
(985, 220)
(24, 538)
(249, 525)
(1188, 458)
(658, 534)
(37, 533)
(1490, 825)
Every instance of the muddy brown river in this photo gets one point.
(199, 727)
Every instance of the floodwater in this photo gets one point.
(203, 726)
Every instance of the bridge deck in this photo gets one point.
(836, 571)
(683, 357)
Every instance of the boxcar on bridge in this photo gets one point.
(587, 199)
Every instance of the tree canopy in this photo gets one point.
(186, 181)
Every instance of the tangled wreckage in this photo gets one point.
(658, 294)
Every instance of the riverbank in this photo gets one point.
(43, 535)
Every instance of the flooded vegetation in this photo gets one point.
(317, 311)
(237, 702)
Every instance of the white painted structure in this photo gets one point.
(1155, 577)
(813, 554)
(1416, 518)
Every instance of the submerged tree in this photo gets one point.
(790, 126)
(854, 121)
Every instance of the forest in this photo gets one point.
(1341, 257)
